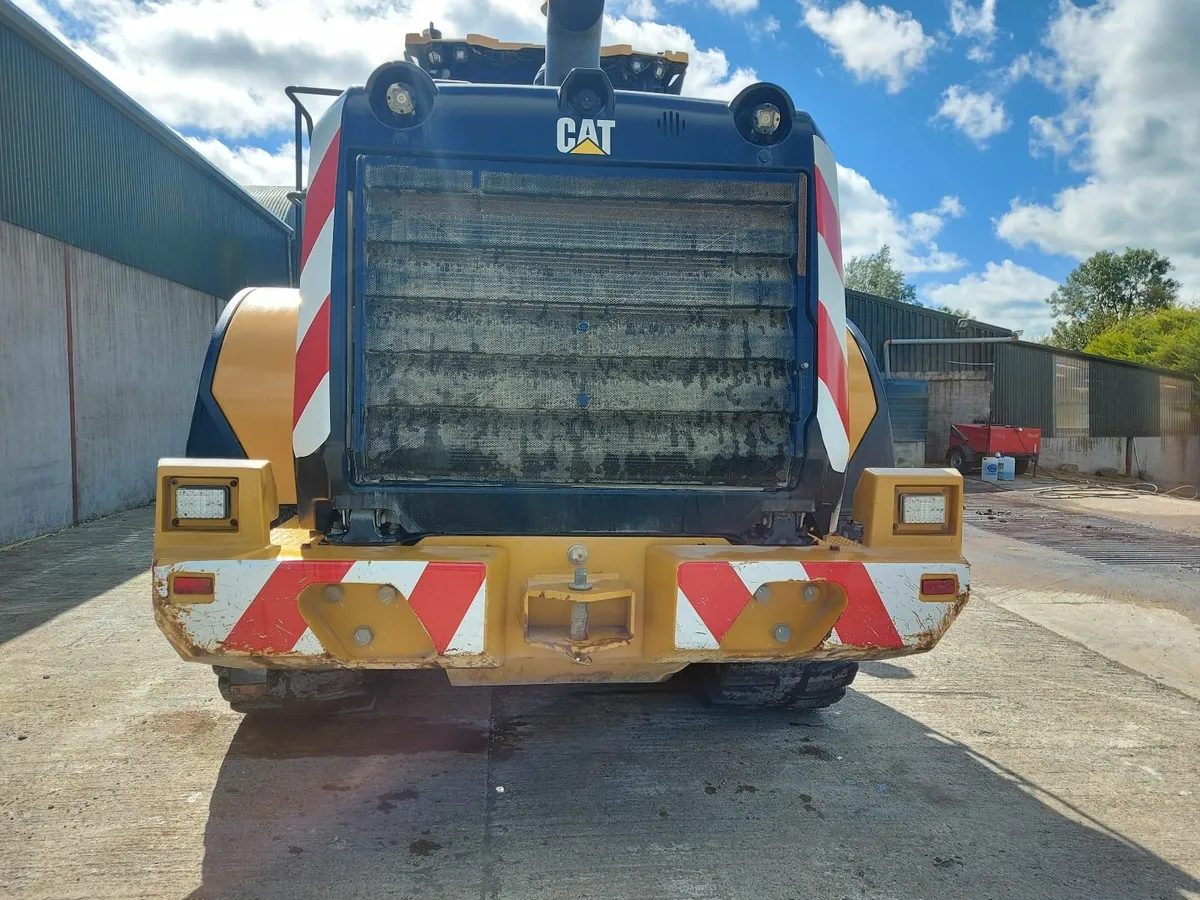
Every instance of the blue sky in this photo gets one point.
(992, 143)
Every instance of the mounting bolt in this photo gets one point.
(763, 594)
(333, 593)
(577, 555)
(782, 633)
(363, 635)
(386, 594)
(810, 593)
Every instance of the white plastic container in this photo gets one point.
(1007, 470)
(991, 468)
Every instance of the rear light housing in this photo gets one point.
(939, 586)
(192, 585)
(922, 510)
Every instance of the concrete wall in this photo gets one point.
(137, 344)
(35, 427)
(953, 397)
(909, 453)
(1168, 459)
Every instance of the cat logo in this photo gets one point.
(592, 137)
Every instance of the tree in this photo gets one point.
(1167, 338)
(876, 273)
(1107, 289)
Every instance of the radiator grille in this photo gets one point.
(575, 329)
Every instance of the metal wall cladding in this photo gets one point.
(1071, 396)
(1177, 405)
(908, 404)
(79, 169)
(1024, 386)
(881, 319)
(1124, 400)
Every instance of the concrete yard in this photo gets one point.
(1048, 748)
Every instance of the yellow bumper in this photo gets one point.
(514, 610)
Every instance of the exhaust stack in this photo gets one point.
(572, 37)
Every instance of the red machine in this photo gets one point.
(970, 443)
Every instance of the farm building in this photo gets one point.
(119, 245)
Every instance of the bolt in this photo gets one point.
(782, 633)
(810, 593)
(763, 594)
(333, 593)
(386, 594)
(363, 635)
(577, 555)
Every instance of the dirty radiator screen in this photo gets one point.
(575, 329)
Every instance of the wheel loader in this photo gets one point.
(566, 393)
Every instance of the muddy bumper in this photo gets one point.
(541, 609)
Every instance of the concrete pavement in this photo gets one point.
(1011, 762)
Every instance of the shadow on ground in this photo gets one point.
(639, 793)
(45, 577)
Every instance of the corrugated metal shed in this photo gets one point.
(881, 319)
(908, 404)
(275, 199)
(1024, 386)
(83, 163)
(1124, 399)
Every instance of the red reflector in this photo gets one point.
(938, 586)
(193, 584)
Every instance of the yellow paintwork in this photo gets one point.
(876, 499)
(863, 404)
(529, 593)
(252, 499)
(255, 378)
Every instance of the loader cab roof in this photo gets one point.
(480, 59)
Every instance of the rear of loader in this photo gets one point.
(567, 393)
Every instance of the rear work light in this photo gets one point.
(923, 509)
(201, 502)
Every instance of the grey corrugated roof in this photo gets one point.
(21, 23)
(274, 198)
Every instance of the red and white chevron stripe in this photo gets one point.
(310, 404)
(254, 605)
(883, 608)
(833, 396)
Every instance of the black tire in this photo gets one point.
(774, 685)
(956, 459)
(296, 692)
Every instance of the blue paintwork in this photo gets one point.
(514, 127)
(211, 436)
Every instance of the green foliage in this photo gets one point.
(1107, 289)
(1167, 338)
(876, 273)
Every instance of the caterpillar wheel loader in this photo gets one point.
(566, 393)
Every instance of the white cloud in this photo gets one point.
(248, 164)
(771, 25)
(976, 22)
(219, 66)
(1128, 73)
(1007, 294)
(971, 21)
(871, 42)
(870, 220)
(978, 116)
(735, 7)
(641, 9)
